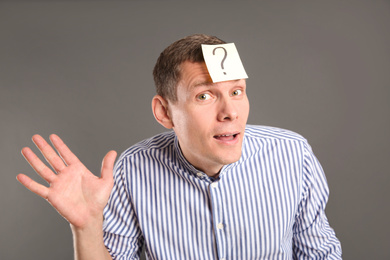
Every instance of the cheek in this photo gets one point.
(194, 127)
(182, 123)
(245, 108)
(194, 121)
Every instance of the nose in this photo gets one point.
(227, 110)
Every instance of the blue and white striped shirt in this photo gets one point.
(268, 205)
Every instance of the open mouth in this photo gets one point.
(226, 137)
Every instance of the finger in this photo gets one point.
(38, 166)
(108, 165)
(63, 150)
(33, 186)
(48, 152)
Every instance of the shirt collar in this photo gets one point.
(192, 170)
(183, 161)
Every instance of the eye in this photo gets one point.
(236, 92)
(204, 96)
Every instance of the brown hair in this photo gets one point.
(167, 72)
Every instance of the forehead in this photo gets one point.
(195, 74)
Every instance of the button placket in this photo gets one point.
(218, 218)
(220, 225)
(214, 185)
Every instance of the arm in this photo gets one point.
(77, 194)
(313, 237)
(122, 232)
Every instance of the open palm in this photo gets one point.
(77, 194)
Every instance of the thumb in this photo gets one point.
(108, 165)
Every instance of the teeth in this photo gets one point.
(226, 135)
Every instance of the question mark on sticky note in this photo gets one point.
(224, 57)
(229, 68)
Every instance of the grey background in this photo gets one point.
(82, 69)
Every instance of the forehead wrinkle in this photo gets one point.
(203, 84)
(209, 84)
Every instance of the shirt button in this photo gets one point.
(220, 226)
(214, 185)
(199, 174)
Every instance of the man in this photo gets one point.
(213, 188)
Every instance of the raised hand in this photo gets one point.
(77, 194)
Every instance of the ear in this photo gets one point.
(160, 111)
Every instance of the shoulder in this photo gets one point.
(157, 142)
(258, 136)
(269, 132)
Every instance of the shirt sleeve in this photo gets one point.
(313, 237)
(121, 232)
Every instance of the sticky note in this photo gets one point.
(223, 62)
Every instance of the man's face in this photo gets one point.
(209, 118)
